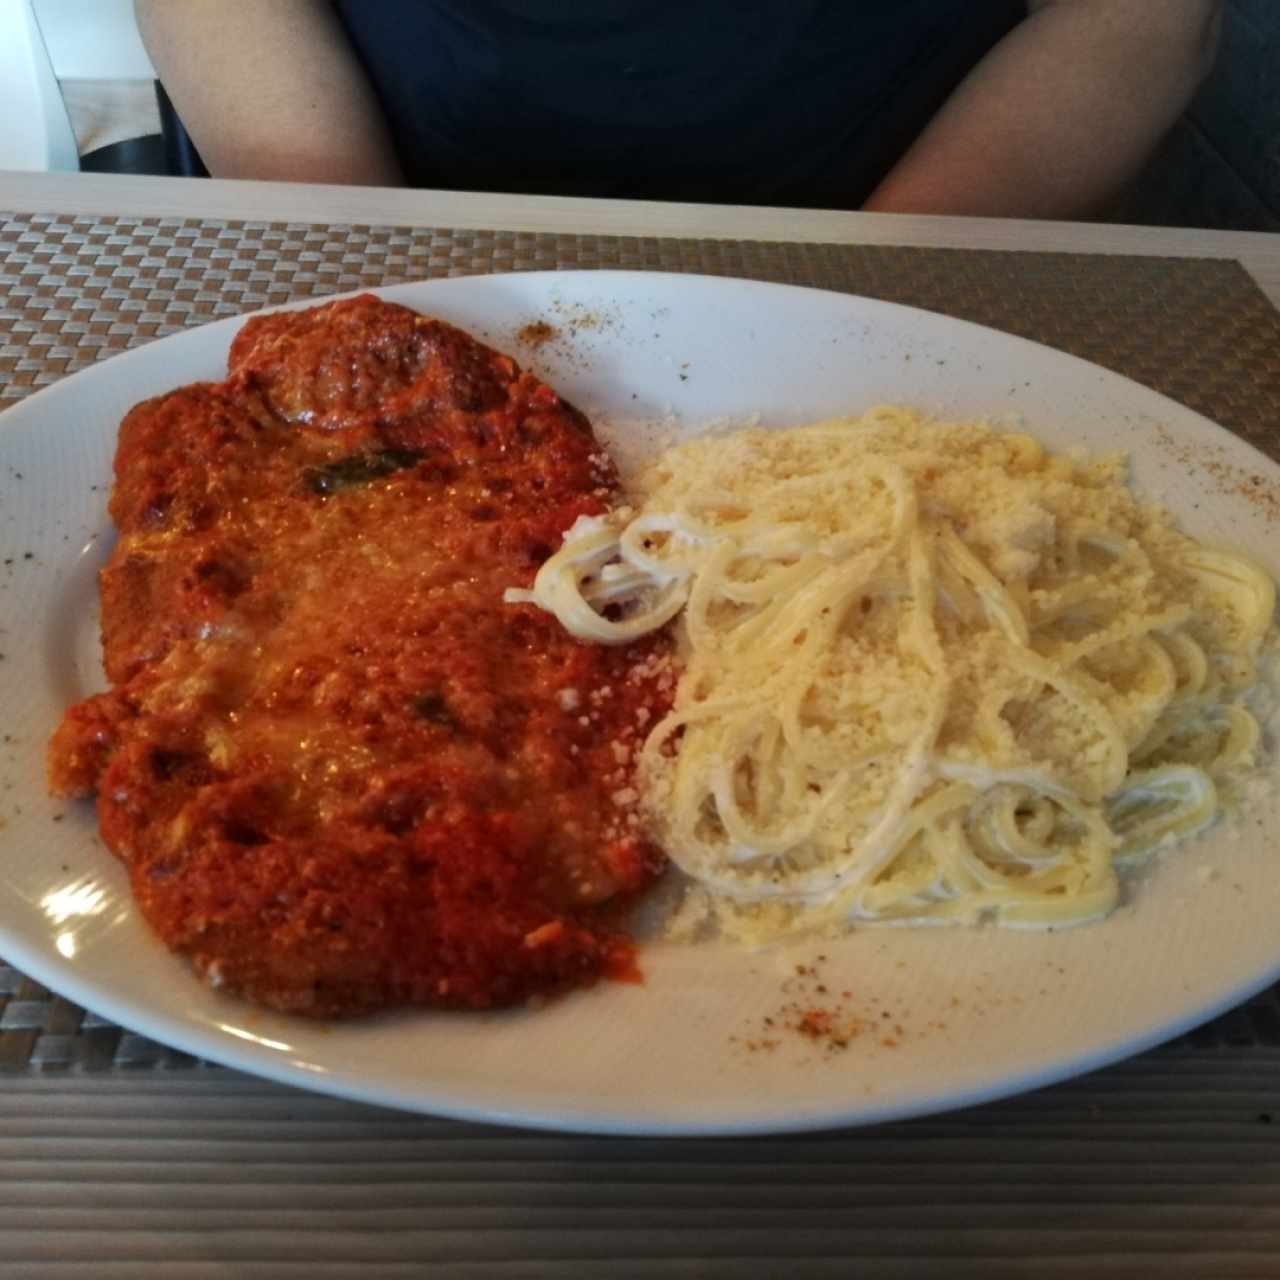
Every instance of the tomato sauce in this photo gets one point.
(343, 774)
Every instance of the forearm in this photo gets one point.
(269, 90)
(1060, 114)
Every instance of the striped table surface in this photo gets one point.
(120, 1157)
(1166, 1165)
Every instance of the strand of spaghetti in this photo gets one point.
(1109, 770)
(996, 602)
(1248, 584)
(558, 587)
(1159, 804)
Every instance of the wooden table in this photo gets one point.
(1167, 1164)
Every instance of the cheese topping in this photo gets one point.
(931, 672)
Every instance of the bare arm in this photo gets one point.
(1061, 113)
(269, 90)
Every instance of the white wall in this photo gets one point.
(37, 132)
(93, 40)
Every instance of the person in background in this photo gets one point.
(1019, 108)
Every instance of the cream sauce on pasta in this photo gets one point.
(930, 671)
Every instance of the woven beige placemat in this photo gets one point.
(77, 289)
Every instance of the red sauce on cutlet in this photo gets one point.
(344, 775)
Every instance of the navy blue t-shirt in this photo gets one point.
(795, 102)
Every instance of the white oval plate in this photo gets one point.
(945, 1017)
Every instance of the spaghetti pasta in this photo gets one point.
(931, 672)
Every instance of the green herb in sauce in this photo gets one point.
(359, 468)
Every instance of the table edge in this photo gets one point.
(129, 195)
